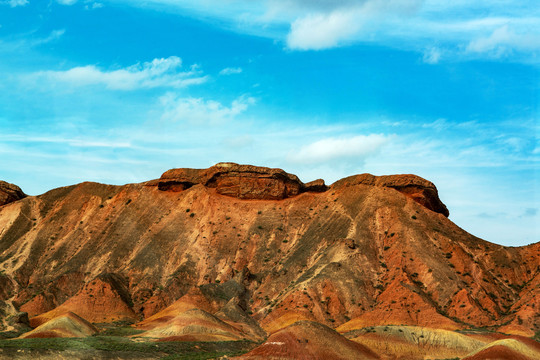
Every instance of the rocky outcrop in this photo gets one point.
(10, 193)
(420, 190)
(240, 181)
(255, 182)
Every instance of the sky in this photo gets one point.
(119, 91)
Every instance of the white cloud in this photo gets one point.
(502, 41)
(459, 29)
(15, 3)
(231, 71)
(356, 148)
(342, 22)
(66, 2)
(322, 31)
(163, 72)
(199, 111)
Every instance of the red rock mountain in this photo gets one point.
(364, 251)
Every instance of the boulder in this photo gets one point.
(10, 193)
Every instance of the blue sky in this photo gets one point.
(119, 91)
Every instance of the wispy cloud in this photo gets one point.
(459, 30)
(504, 40)
(355, 148)
(14, 3)
(198, 111)
(432, 56)
(66, 2)
(231, 71)
(27, 41)
(163, 72)
(91, 5)
(53, 36)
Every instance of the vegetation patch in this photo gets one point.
(118, 344)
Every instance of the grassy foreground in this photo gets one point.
(122, 347)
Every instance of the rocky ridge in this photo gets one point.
(255, 182)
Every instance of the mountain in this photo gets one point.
(259, 243)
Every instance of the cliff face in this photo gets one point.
(363, 251)
(240, 181)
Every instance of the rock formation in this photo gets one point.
(10, 193)
(240, 181)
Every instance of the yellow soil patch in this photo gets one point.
(195, 323)
(413, 342)
(66, 325)
(283, 321)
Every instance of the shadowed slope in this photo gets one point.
(101, 300)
